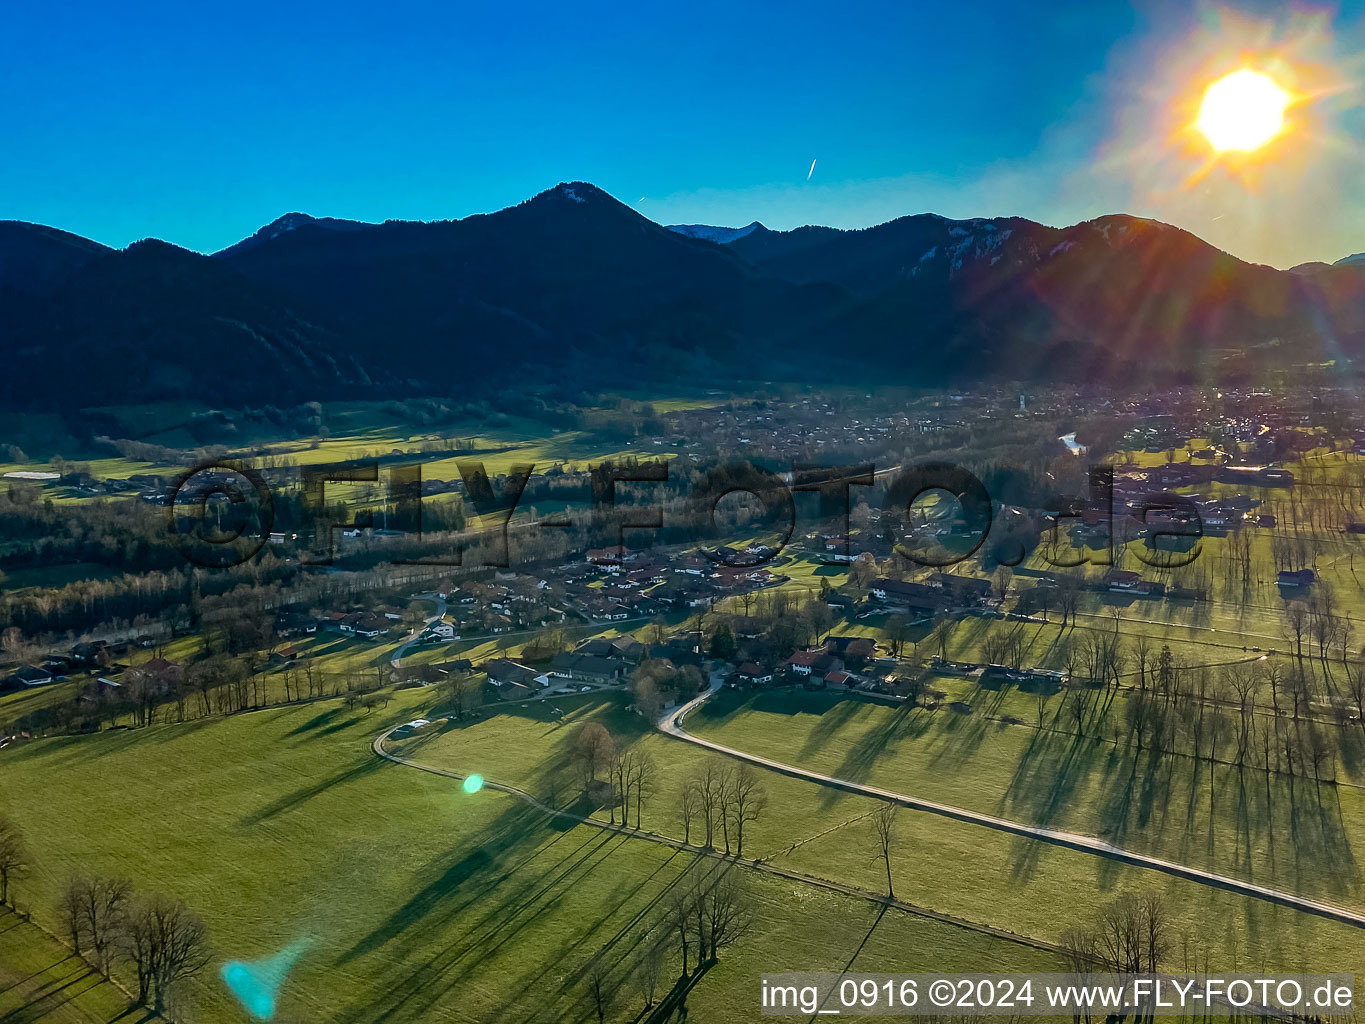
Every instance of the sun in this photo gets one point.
(1242, 111)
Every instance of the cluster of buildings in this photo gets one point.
(596, 662)
(942, 592)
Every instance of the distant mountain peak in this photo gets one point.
(291, 222)
(1358, 260)
(572, 192)
(722, 236)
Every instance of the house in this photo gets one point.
(752, 674)
(968, 589)
(609, 557)
(363, 625)
(27, 675)
(802, 662)
(585, 668)
(505, 672)
(626, 648)
(101, 688)
(88, 652)
(1296, 578)
(1123, 580)
(515, 691)
(291, 623)
(604, 611)
(162, 672)
(442, 631)
(914, 597)
(59, 665)
(851, 648)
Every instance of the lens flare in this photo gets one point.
(1242, 111)
(256, 983)
(473, 783)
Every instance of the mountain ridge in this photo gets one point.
(573, 287)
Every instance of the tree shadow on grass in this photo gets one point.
(905, 721)
(827, 726)
(316, 722)
(485, 903)
(48, 998)
(291, 801)
(612, 956)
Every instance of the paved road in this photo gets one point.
(671, 724)
(402, 649)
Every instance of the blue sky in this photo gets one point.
(198, 123)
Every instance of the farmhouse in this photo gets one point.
(968, 589)
(752, 674)
(585, 668)
(505, 672)
(915, 597)
(363, 625)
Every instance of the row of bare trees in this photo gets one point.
(615, 775)
(721, 796)
(163, 941)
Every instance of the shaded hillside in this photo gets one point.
(574, 287)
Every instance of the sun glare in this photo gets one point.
(1242, 111)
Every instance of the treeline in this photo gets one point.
(107, 924)
(123, 534)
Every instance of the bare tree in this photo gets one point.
(166, 943)
(680, 918)
(461, 690)
(687, 809)
(746, 799)
(94, 911)
(884, 829)
(69, 908)
(13, 854)
(592, 751)
(644, 781)
(1132, 934)
(649, 971)
(727, 913)
(710, 785)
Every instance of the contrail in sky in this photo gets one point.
(811, 171)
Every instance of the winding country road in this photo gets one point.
(671, 724)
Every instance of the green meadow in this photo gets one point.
(1029, 888)
(412, 900)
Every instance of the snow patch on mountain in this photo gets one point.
(713, 234)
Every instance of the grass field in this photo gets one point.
(416, 902)
(40, 980)
(1275, 830)
(1026, 887)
